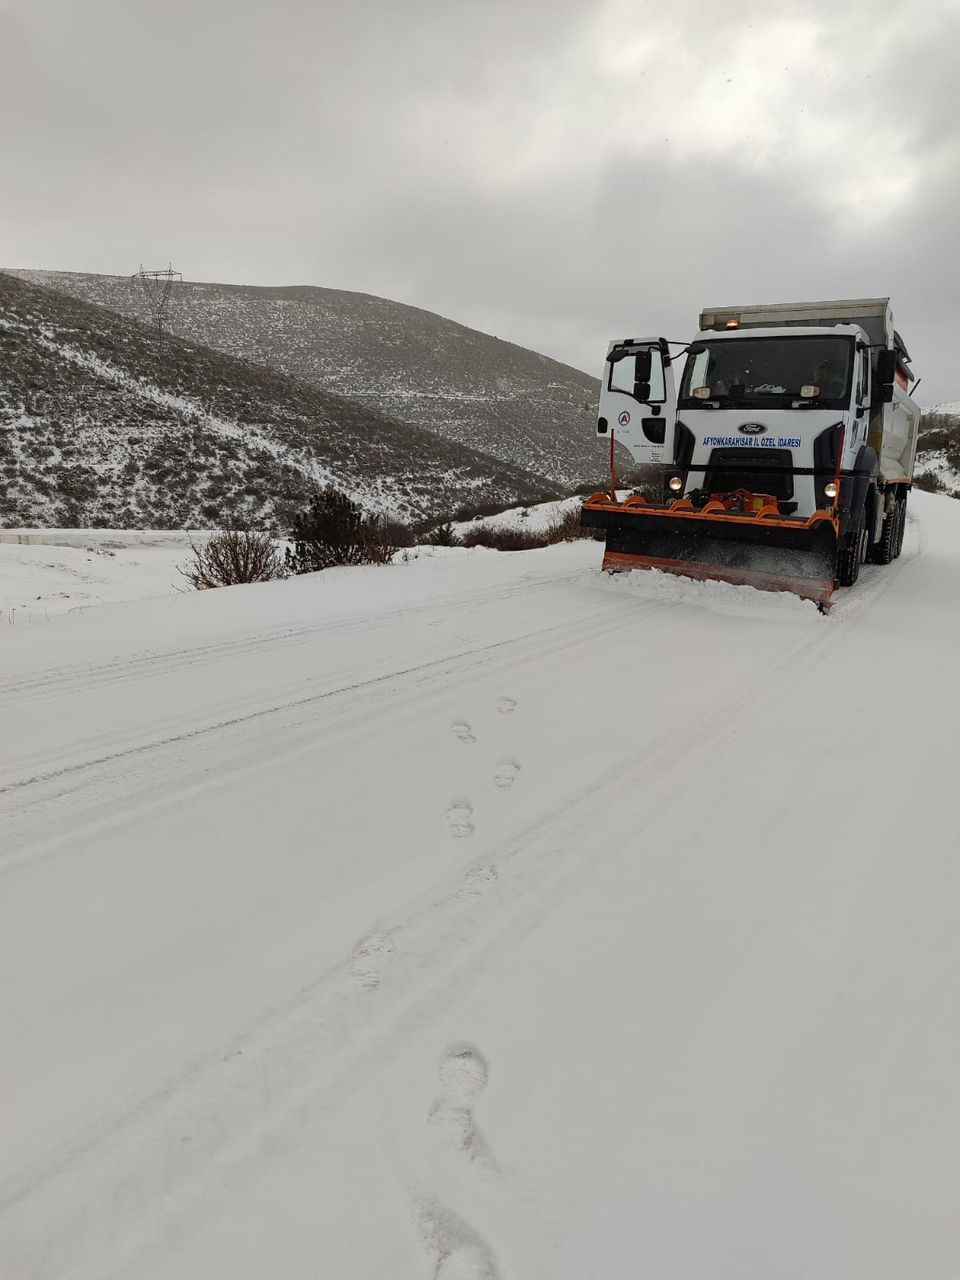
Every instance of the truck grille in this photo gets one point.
(764, 471)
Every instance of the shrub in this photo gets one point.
(476, 511)
(648, 481)
(442, 535)
(334, 531)
(328, 533)
(929, 481)
(384, 536)
(233, 556)
(504, 539)
(567, 527)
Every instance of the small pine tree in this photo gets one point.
(330, 532)
(443, 535)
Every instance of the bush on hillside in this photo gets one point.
(231, 557)
(328, 533)
(442, 535)
(384, 536)
(335, 531)
(929, 481)
(567, 528)
(504, 538)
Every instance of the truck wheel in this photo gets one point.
(901, 525)
(851, 557)
(883, 551)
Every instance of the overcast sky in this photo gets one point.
(556, 172)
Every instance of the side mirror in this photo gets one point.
(644, 365)
(696, 348)
(886, 365)
(884, 376)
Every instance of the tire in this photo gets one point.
(852, 556)
(883, 551)
(901, 525)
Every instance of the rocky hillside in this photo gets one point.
(938, 450)
(467, 387)
(100, 427)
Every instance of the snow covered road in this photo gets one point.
(485, 917)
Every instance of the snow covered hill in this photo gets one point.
(485, 918)
(412, 365)
(100, 426)
(938, 449)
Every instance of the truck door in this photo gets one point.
(638, 399)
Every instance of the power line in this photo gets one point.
(158, 287)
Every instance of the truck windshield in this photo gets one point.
(755, 371)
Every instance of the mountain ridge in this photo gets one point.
(411, 364)
(101, 424)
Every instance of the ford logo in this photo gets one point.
(752, 428)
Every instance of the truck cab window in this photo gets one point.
(769, 372)
(623, 377)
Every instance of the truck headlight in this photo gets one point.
(676, 483)
(830, 488)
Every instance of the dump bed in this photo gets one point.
(873, 315)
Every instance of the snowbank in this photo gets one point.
(44, 573)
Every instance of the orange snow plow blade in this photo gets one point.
(739, 538)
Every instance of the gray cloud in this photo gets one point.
(556, 173)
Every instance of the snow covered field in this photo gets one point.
(485, 917)
(47, 572)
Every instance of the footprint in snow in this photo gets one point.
(506, 772)
(458, 1252)
(480, 880)
(460, 818)
(463, 1076)
(463, 1072)
(506, 705)
(367, 958)
(462, 731)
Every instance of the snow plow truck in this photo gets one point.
(782, 460)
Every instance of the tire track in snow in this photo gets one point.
(159, 1170)
(133, 1177)
(171, 771)
(60, 682)
(875, 580)
(292, 704)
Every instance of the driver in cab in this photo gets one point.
(830, 376)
